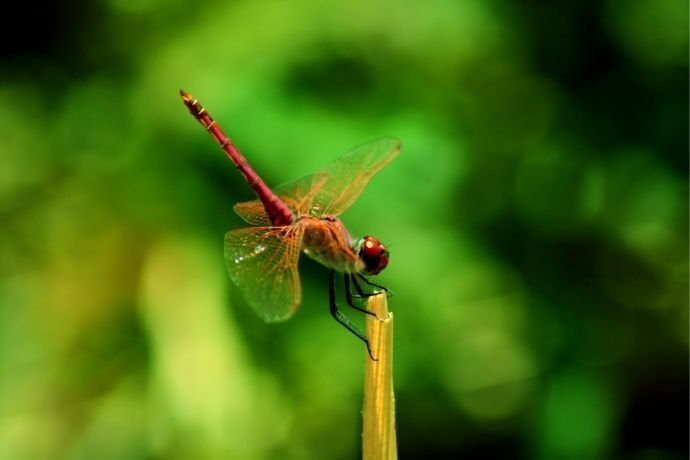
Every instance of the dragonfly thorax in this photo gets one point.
(327, 241)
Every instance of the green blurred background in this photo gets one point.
(537, 218)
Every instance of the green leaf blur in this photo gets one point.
(537, 218)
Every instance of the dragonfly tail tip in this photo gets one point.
(185, 95)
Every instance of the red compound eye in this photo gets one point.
(373, 254)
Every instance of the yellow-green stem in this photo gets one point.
(378, 439)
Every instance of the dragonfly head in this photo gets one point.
(372, 253)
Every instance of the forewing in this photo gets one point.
(297, 195)
(347, 176)
(262, 262)
(333, 189)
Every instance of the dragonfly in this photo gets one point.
(302, 216)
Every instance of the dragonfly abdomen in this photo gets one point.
(277, 211)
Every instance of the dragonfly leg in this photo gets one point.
(342, 319)
(358, 288)
(361, 294)
(350, 298)
(389, 294)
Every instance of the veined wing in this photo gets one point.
(331, 190)
(297, 195)
(262, 262)
(347, 176)
(253, 212)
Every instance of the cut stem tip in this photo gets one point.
(379, 439)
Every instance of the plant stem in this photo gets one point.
(379, 440)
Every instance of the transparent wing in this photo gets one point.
(253, 212)
(331, 190)
(347, 176)
(297, 195)
(262, 262)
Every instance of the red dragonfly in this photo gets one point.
(301, 215)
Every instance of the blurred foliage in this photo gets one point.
(537, 216)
